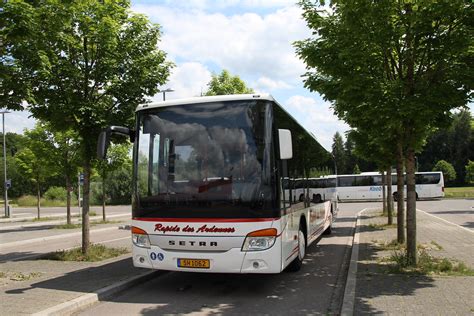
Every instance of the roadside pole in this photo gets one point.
(79, 194)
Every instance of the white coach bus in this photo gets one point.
(217, 186)
(368, 186)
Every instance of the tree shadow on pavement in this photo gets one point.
(376, 286)
(85, 280)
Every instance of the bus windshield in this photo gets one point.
(204, 160)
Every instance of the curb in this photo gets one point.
(89, 299)
(349, 291)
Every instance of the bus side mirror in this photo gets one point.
(286, 145)
(103, 144)
(104, 138)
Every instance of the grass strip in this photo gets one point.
(461, 192)
(427, 265)
(97, 252)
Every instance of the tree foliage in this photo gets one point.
(224, 83)
(470, 172)
(453, 143)
(83, 65)
(338, 153)
(447, 169)
(36, 160)
(393, 69)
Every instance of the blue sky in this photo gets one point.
(250, 38)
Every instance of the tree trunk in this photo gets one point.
(411, 208)
(400, 197)
(85, 207)
(68, 200)
(38, 199)
(103, 198)
(389, 196)
(384, 196)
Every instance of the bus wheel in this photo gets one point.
(301, 197)
(328, 230)
(297, 263)
(317, 198)
(395, 196)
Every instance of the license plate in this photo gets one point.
(194, 263)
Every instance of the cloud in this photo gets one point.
(187, 80)
(317, 117)
(246, 44)
(17, 121)
(267, 84)
(223, 4)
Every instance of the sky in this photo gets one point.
(250, 38)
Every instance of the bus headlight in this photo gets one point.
(260, 240)
(140, 237)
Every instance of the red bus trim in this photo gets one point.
(205, 220)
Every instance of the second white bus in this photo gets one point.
(368, 186)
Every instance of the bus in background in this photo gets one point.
(323, 188)
(368, 186)
(220, 184)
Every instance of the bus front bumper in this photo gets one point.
(231, 261)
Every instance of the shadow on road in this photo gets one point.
(375, 283)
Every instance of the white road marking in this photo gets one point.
(41, 239)
(457, 225)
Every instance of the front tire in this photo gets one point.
(395, 196)
(328, 230)
(297, 263)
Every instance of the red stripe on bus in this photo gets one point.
(295, 250)
(205, 220)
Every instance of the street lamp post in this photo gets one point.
(164, 92)
(5, 187)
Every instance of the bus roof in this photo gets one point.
(217, 98)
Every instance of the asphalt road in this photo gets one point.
(460, 212)
(14, 246)
(316, 289)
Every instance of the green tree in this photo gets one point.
(447, 169)
(339, 153)
(225, 83)
(118, 156)
(35, 161)
(394, 67)
(356, 169)
(20, 185)
(470, 172)
(452, 143)
(64, 153)
(372, 148)
(85, 65)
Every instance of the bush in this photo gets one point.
(26, 200)
(470, 172)
(56, 193)
(447, 169)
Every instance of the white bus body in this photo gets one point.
(211, 193)
(368, 186)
